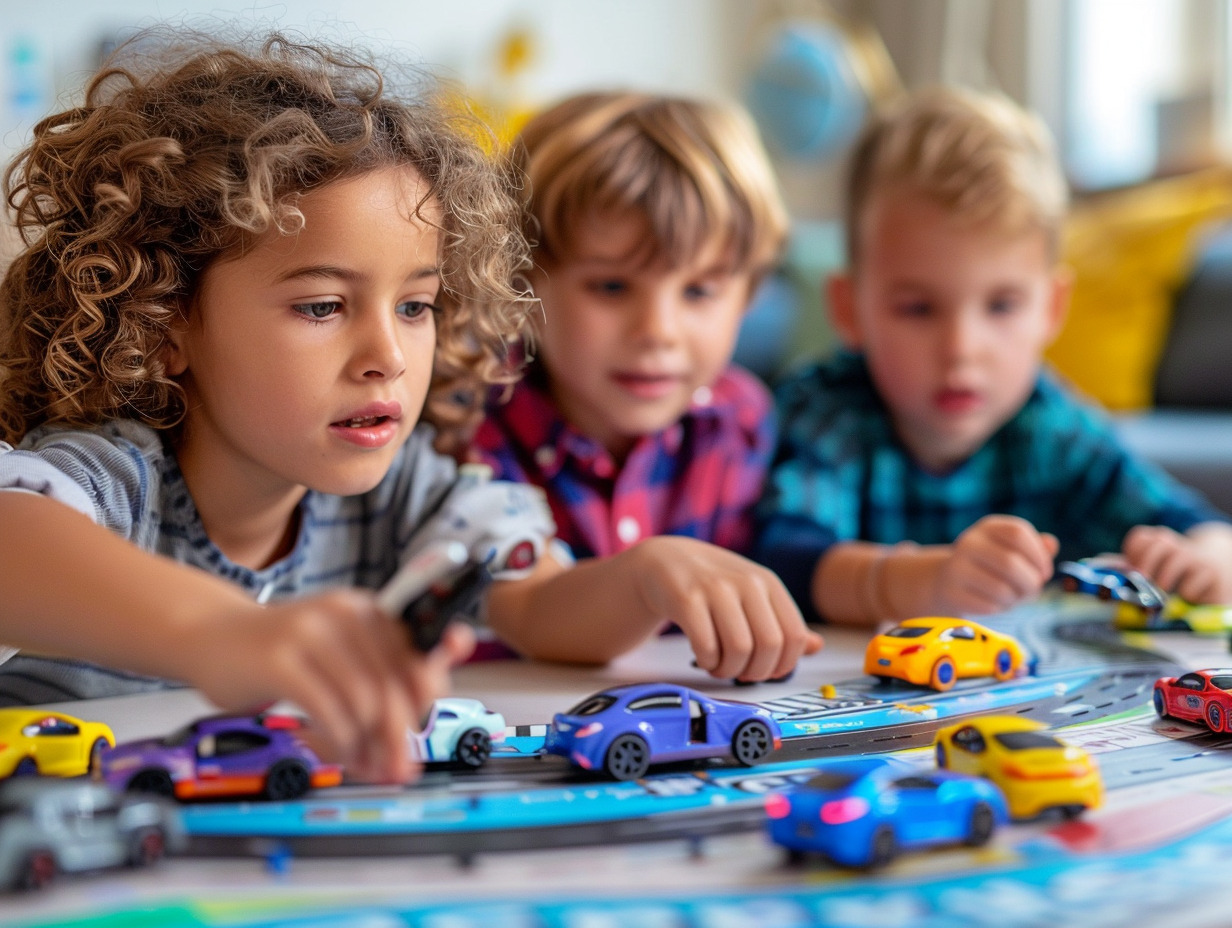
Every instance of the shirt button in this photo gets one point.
(545, 456)
(628, 530)
(703, 396)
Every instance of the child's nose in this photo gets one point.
(963, 336)
(378, 351)
(658, 319)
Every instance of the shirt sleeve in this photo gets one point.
(747, 449)
(103, 473)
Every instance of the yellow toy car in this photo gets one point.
(35, 741)
(1035, 770)
(936, 651)
(1179, 614)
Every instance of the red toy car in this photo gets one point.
(1201, 696)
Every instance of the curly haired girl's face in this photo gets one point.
(307, 357)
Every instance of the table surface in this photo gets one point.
(526, 693)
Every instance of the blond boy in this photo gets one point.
(933, 466)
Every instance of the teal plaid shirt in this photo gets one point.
(841, 474)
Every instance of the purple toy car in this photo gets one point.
(625, 729)
(222, 756)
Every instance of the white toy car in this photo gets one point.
(458, 730)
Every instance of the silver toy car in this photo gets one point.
(50, 826)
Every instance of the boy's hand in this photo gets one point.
(1177, 563)
(346, 663)
(998, 562)
(739, 618)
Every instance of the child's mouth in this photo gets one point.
(364, 423)
(957, 401)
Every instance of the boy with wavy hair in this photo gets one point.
(934, 466)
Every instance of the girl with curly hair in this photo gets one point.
(256, 291)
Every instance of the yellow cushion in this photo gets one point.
(1130, 252)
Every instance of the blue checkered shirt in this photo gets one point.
(841, 474)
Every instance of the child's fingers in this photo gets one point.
(692, 614)
(731, 625)
(772, 646)
(1200, 584)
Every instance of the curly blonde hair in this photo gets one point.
(981, 156)
(185, 148)
(696, 169)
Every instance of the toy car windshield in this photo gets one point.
(1026, 740)
(1222, 682)
(592, 705)
(831, 781)
(908, 631)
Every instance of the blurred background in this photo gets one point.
(1135, 91)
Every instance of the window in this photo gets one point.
(657, 701)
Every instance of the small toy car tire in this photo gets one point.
(1215, 717)
(26, 767)
(474, 747)
(287, 779)
(147, 847)
(883, 847)
(1071, 811)
(751, 742)
(943, 676)
(1160, 708)
(1003, 665)
(39, 869)
(942, 759)
(983, 824)
(1104, 593)
(96, 754)
(627, 758)
(153, 781)
(1069, 584)
(883, 680)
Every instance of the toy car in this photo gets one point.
(1201, 696)
(1109, 577)
(222, 756)
(936, 651)
(50, 743)
(860, 812)
(623, 730)
(1035, 770)
(459, 730)
(49, 826)
(1179, 615)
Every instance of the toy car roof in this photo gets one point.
(999, 723)
(936, 621)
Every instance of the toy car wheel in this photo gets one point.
(1003, 665)
(942, 758)
(1072, 811)
(883, 680)
(1215, 717)
(157, 782)
(1069, 584)
(147, 847)
(96, 753)
(943, 676)
(287, 779)
(38, 870)
(1160, 706)
(474, 747)
(751, 742)
(627, 758)
(982, 825)
(1104, 593)
(883, 848)
(26, 767)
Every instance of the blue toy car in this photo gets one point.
(623, 730)
(1109, 577)
(861, 812)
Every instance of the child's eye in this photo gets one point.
(915, 309)
(1002, 304)
(413, 309)
(609, 287)
(316, 312)
(694, 292)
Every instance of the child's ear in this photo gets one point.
(840, 298)
(172, 353)
(1060, 288)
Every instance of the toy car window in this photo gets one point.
(180, 737)
(831, 781)
(915, 782)
(592, 705)
(1223, 681)
(446, 714)
(907, 631)
(236, 742)
(51, 725)
(964, 632)
(970, 739)
(1025, 740)
(656, 701)
(1190, 681)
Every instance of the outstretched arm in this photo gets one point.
(996, 563)
(71, 588)
(739, 619)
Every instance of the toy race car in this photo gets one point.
(49, 826)
(1177, 615)
(50, 743)
(460, 730)
(1035, 770)
(1109, 577)
(623, 730)
(1201, 696)
(936, 651)
(861, 812)
(222, 756)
